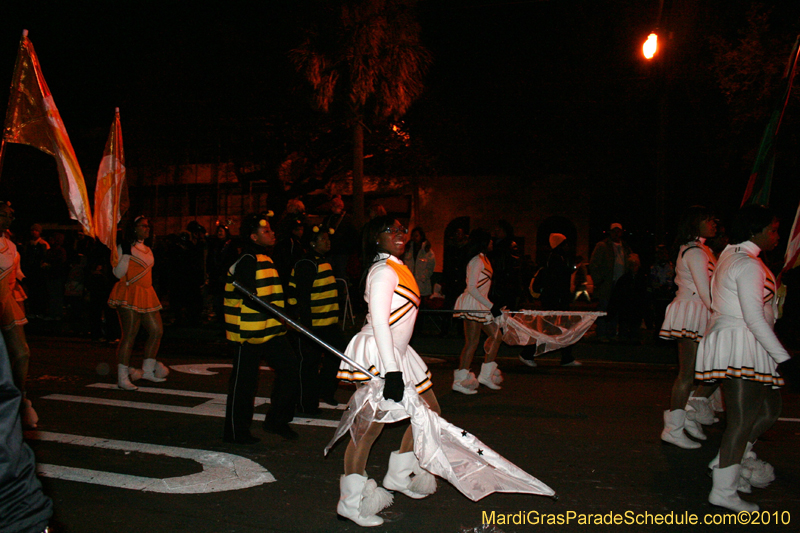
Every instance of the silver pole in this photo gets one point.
(274, 310)
(451, 311)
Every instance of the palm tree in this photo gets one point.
(368, 54)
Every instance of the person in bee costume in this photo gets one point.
(257, 334)
(314, 298)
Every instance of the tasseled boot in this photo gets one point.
(464, 381)
(123, 378)
(398, 477)
(150, 369)
(361, 499)
(490, 376)
(673, 430)
(724, 494)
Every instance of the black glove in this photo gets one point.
(496, 312)
(393, 387)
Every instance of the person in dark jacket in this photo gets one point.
(555, 295)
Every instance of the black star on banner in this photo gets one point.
(480, 452)
(463, 433)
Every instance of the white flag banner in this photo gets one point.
(548, 330)
(441, 448)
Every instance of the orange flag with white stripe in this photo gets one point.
(111, 191)
(33, 119)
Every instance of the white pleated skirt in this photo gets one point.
(734, 352)
(467, 301)
(685, 319)
(364, 350)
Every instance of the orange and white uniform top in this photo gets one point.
(740, 341)
(134, 290)
(11, 312)
(476, 296)
(382, 344)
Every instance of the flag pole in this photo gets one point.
(2, 154)
(274, 310)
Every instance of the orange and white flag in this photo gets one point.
(111, 191)
(33, 119)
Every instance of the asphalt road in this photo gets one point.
(154, 461)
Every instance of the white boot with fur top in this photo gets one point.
(360, 500)
(399, 476)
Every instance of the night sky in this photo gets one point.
(522, 88)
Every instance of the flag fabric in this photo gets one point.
(760, 182)
(111, 191)
(33, 119)
(792, 256)
(440, 447)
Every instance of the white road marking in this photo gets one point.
(203, 369)
(221, 471)
(215, 406)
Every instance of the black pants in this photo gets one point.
(243, 385)
(318, 382)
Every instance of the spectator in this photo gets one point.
(33, 258)
(606, 266)
(505, 259)
(555, 293)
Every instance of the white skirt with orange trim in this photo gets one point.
(468, 302)
(734, 352)
(685, 319)
(364, 350)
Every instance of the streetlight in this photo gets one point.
(650, 46)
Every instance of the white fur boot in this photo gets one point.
(123, 379)
(464, 381)
(724, 494)
(694, 429)
(701, 410)
(149, 371)
(360, 500)
(490, 376)
(398, 477)
(757, 472)
(673, 430)
(743, 484)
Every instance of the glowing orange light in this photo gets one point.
(650, 46)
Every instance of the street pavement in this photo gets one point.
(153, 460)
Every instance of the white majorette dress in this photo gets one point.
(740, 342)
(11, 312)
(476, 296)
(382, 344)
(135, 290)
(688, 313)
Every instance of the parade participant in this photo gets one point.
(686, 318)
(382, 346)
(12, 316)
(741, 350)
(475, 298)
(137, 305)
(315, 300)
(257, 335)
